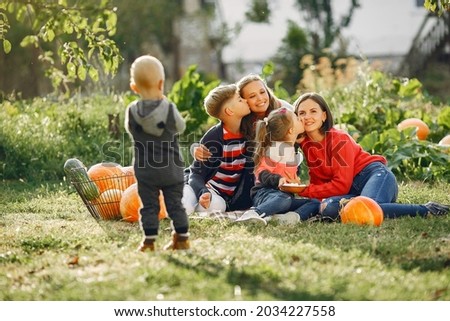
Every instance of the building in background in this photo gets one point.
(381, 31)
(199, 33)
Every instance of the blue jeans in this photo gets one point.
(269, 201)
(379, 183)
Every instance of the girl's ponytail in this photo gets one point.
(262, 140)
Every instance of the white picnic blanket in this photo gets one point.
(229, 216)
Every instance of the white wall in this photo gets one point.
(379, 27)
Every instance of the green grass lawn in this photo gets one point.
(52, 249)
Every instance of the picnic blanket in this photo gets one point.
(227, 216)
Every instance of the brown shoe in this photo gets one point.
(147, 245)
(178, 242)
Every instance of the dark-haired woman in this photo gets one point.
(340, 169)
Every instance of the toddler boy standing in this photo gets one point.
(153, 124)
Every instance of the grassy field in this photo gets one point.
(52, 249)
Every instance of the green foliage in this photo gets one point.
(188, 94)
(73, 37)
(40, 135)
(158, 29)
(437, 6)
(259, 11)
(408, 157)
(444, 117)
(374, 104)
(294, 45)
(319, 18)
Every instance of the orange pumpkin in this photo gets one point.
(129, 177)
(362, 210)
(102, 175)
(445, 141)
(130, 204)
(107, 205)
(422, 129)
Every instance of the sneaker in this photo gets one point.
(251, 216)
(178, 242)
(288, 218)
(147, 245)
(314, 219)
(437, 209)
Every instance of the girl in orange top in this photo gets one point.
(276, 163)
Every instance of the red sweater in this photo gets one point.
(333, 163)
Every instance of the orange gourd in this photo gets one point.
(101, 174)
(107, 205)
(130, 204)
(422, 129)
(362, 210)
(129, 178)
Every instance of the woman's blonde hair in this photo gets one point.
(272, 128)
(247, 123)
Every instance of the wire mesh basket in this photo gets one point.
(102, 196)
(114, 197)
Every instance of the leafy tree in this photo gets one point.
(437, 6)
(321, 31)
(320, 22)
(294, 46)
(147, 22)
(259, 11)
(72, 38)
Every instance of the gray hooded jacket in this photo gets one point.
(153, 126)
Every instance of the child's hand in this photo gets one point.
(282, 181)
(295, 180)
(201, 153)
(205, 200)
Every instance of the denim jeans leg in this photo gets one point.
(378, 183)
(269, 201)
(330, 207)
(305, 207)
(396, 210)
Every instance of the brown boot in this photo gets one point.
(147, 245)
(178, 242)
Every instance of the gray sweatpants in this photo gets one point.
(173, 194)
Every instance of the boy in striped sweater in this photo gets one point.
(223, 182)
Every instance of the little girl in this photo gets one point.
(276, 163)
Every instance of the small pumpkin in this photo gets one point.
(362, 210)
(102, 174)
(129, 178)
(107, 205)
(422, 129)
(130, 204)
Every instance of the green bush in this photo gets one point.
(41, 134)
(371, 108)
(38, 136)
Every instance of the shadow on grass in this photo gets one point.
(257, 281)
(430, 264)
(404, 243)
